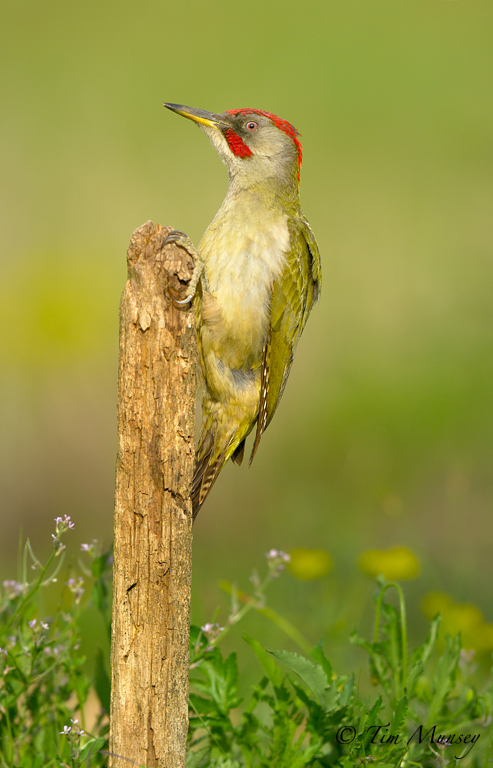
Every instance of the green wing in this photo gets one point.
(292, 299)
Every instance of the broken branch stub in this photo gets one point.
(153, 517)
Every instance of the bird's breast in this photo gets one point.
(244, 252)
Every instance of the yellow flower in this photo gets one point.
(310, 564)
(396, 563)
(436, 602)
(465, 618)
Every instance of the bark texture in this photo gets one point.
(153, 516)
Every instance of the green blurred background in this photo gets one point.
(383, 437)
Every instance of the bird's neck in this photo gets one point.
(273, 192)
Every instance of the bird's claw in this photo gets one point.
(183, 241)
(175, 236)
(183, 301)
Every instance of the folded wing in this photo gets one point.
(293, 296)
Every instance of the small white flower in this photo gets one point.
(66, 730)
(277, 554)
(212, 631)
(62, 525)
(32, 623)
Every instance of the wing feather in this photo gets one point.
(292, 298)
(264, 392)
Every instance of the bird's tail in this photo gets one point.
(225, 426)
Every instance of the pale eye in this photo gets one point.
(251, 126)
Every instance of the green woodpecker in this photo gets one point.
(258, 266)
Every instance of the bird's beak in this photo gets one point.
(200, 116)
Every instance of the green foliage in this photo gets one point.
(426, 711)
(44, 685)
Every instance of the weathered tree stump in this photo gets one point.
(153, 515)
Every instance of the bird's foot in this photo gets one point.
(183, 241)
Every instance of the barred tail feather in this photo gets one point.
(204, 478)
(223, 435)
(238, 454)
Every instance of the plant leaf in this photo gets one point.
(271, 669)
(312, 675)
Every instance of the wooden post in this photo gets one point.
(153, 516)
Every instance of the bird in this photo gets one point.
(256, 278)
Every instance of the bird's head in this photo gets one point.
(255, 145)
